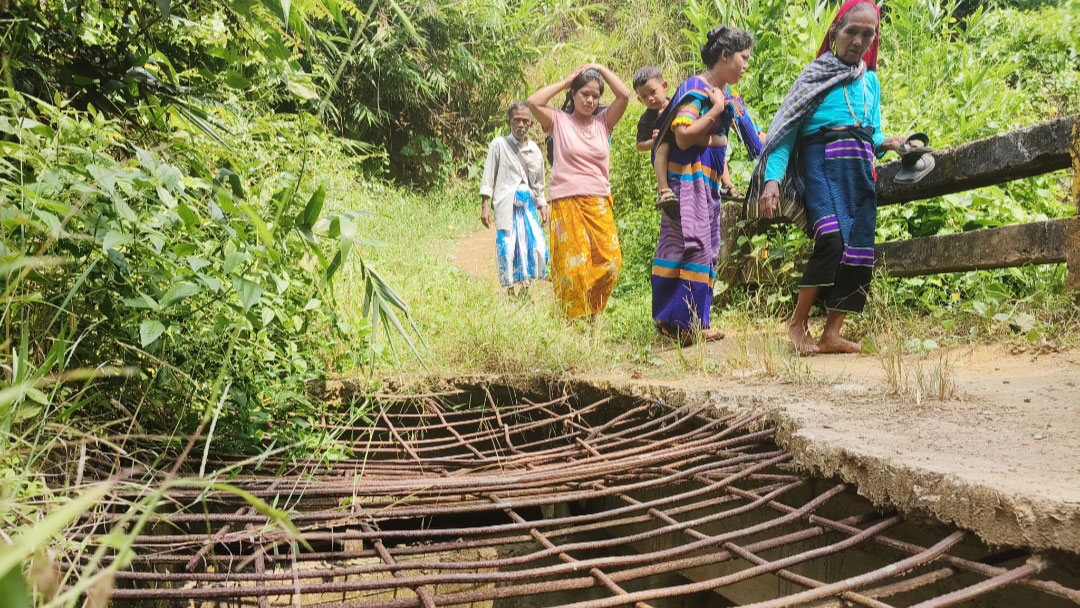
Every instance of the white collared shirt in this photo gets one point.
(504, 174)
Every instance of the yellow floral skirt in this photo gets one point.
(585, 254)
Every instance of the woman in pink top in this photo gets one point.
(585, 255)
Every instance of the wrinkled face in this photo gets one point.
(855, 34)
(587, 99)
(653, 93)
(520, 123)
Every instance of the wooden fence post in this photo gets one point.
(730, 256)
(1072, 232)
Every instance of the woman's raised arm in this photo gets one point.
(538, 101)
(617, 108)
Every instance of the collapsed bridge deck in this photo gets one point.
(539, 503)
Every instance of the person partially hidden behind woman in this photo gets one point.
(820, 153)
(585, 254)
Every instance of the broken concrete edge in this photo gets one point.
(920, 494)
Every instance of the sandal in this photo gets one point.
(667, 202)
(680, 337)
(916, 159)
(731, 193)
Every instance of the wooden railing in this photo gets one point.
(1026, 152)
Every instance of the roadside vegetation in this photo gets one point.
(206, 206)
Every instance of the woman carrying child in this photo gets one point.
(651, 89)
(820, 159)
(585, 254)
(685, 263)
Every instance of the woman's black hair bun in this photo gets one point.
(714, 33)
(724, 39)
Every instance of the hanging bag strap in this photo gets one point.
(522, 164)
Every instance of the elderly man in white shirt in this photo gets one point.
(513, 182)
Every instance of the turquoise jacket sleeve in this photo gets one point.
(875, 111)
(778, 160)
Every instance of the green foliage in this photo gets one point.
(423, 80)
(156, 259)
(633, 188)
(165, 60)
(1042, 46)
(160, 220)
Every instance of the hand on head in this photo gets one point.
(578, 71)
(581, 69)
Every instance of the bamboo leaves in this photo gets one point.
(381, 306)
(310, 215)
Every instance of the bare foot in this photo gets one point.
(836, 344)
(672, 333)
(799, 334)
(712, 335)
(686, 338)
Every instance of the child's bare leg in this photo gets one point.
(665, 199)
(660, 162)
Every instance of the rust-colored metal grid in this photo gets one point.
(537, 504)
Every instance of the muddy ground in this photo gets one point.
(1000, 457)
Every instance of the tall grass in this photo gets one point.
(469, 324)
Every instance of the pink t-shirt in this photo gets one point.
(582, 155)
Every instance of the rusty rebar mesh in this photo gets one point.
(545, 503)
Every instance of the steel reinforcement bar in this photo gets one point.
(586, 505)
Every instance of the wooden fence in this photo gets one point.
(1026, 152)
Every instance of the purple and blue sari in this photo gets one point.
(685, 263)
(841, 206)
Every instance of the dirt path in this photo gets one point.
(1000, 457)
(475, 254)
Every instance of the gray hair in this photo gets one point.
(514, 107)
(724, 39)
(866, 5)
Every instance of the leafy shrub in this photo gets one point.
(190, 263)
(423, 79)
(633, 189)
